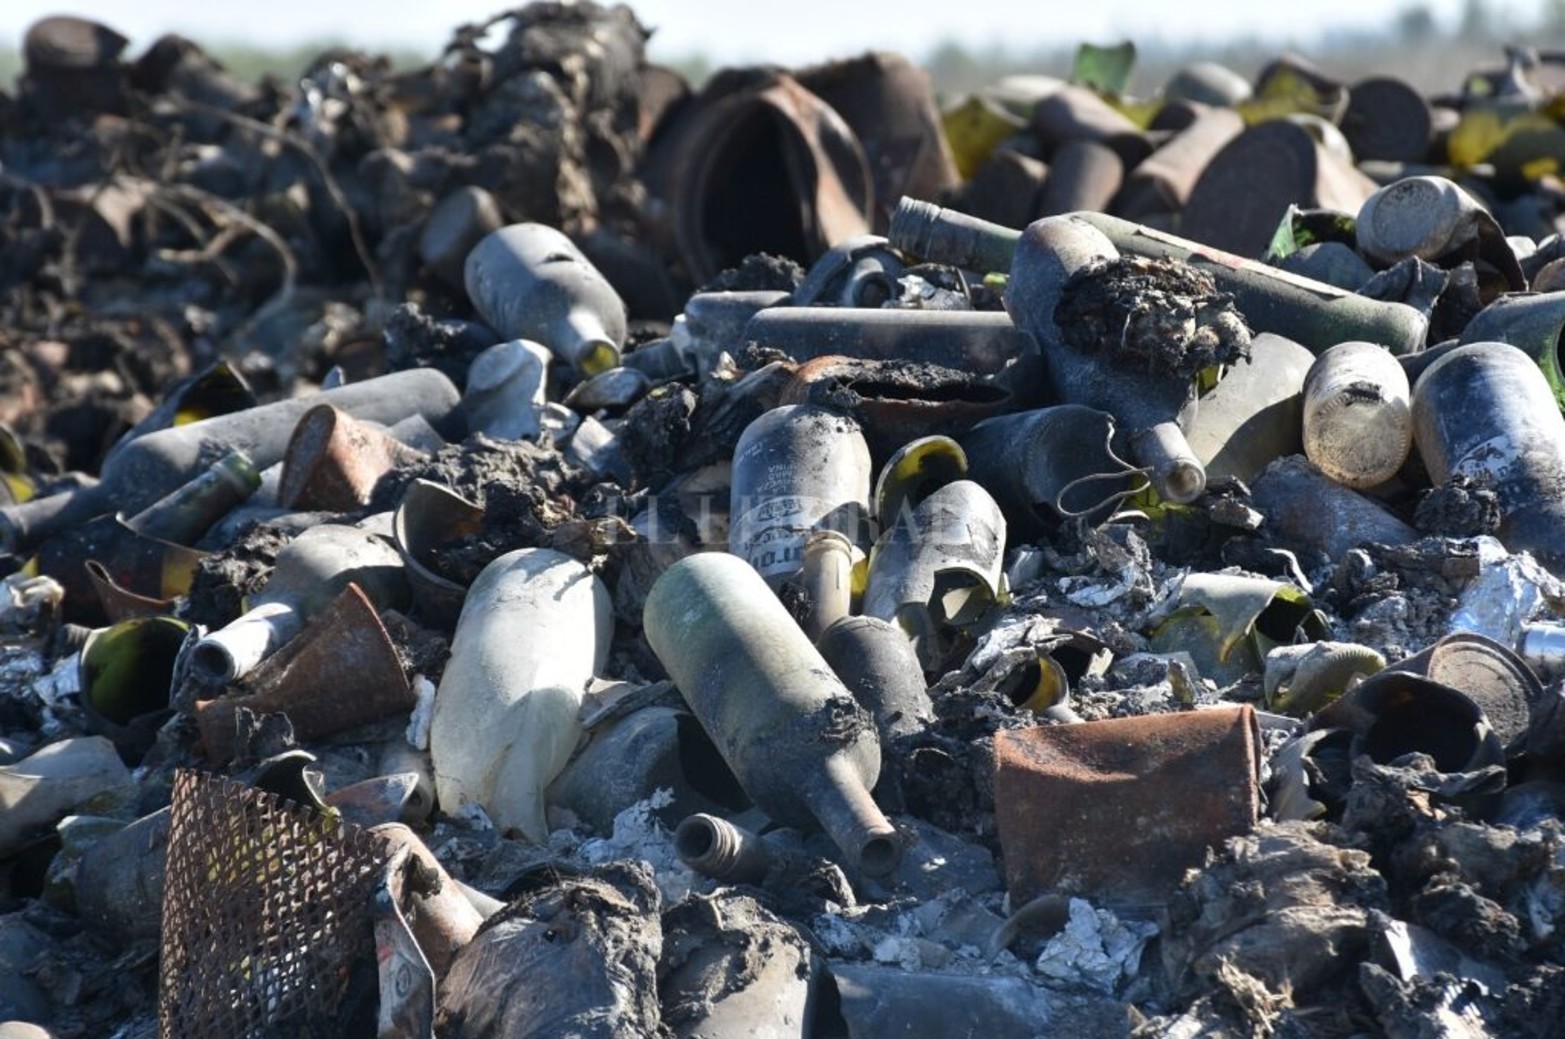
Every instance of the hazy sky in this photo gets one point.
(785, 31)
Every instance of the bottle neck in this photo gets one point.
(26, 526)
(580, 337)
(839, 799)
(1177, 473)
(234, 651)
(186, 514)
(946, 236)
(717, 848)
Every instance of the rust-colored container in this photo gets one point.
(1121, 808)
(334, 461)
(1248, 185)
(342, 670)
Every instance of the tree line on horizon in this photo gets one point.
(1412, 44)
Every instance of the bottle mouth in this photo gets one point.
(1176, 474)
(1181, 483)
(597, 356)
(234, 651)
(697, 840)
(212, 662)
(912, 225)
(880, 855)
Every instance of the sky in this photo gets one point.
(728, 31)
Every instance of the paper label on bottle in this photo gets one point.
(1494, 457)
(771, 536)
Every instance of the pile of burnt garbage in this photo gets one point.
(519, 547)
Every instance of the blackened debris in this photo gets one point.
(1162, 316)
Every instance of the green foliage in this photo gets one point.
(244, 60)
(252, 63)
(696, 68)
(1551, 20)
(1416, 24)
(10, 65)
(1412, 43)
(1477, 21)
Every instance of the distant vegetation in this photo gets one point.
(246, 61)
(254, 62)
(1413, 44)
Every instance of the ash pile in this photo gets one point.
(524, 547)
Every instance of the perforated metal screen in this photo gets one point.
(267, 925)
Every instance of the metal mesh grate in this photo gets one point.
(266, 915)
